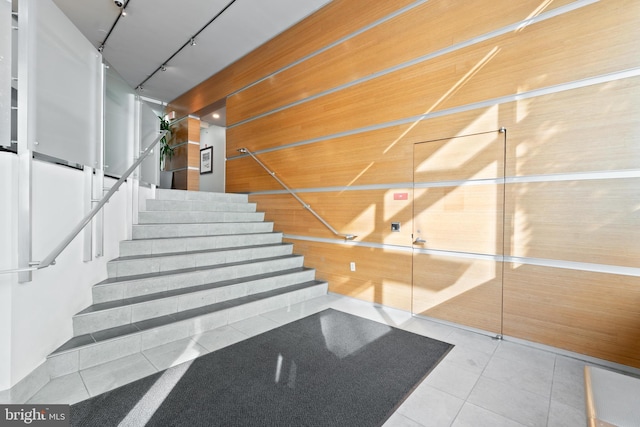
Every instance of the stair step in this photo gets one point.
(198, 205)
(170, 217)
(164, 194)
(151, 231)
(144, 264)
(130, 310)
(133, 286)
(84, 351)
(184, 244)
(197, 261)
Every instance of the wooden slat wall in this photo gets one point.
(367, 214)
(594, 221)
(569, 145)
(462, 77)
(185, 163)
(375, 51)
(469, 218)
(343, 17)
(382, 275)
(585, 312)
(455, 282)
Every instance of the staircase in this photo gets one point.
(197, 261)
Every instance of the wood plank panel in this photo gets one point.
(460, 290)
(367, 214)
(587, 129)
(383, 141)
(594, 128)
(193, 180)
(596, 314)
(427, 28)
(466, 218)
(185, 154)
(193, 155)
(336, 20)
(382, 276)
(193, 129)
(504, 65)
(462, 158)
(374, 157)
(371, 158)
(595, 221)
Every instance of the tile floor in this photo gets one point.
(481, 382)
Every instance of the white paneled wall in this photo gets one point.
(37, 316)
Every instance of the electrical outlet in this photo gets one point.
(352, 266)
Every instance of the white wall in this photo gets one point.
(8, 260)
(40, 311)
(214, 136)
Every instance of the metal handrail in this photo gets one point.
(51, 258)
(305, 205)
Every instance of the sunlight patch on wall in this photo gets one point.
(364, 223)
(470, 275)
(395, 201)
(488, 120)
(494, 168)
(522, 109)
(537, 11)
(452, 91)
(457, 153)
(522, 233)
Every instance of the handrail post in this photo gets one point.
(305, 205)
(52, 256)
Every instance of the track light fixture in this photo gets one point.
(190, 42)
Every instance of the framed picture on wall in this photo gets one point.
(206, 160)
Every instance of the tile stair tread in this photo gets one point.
(254, 233)
(200, 211)
(133, 328)
(182, 291)
(226, 223)
(157, 205)
(200, 251)
(199, 195)
(112, 280)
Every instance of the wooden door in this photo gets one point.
(458, 230)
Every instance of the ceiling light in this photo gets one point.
(216, 116)
(193, 41)
(163, 68)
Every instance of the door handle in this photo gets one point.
(419, 241)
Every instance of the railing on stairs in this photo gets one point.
(51, 258)
(305, 205)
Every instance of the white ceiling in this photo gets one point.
(153, 30)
